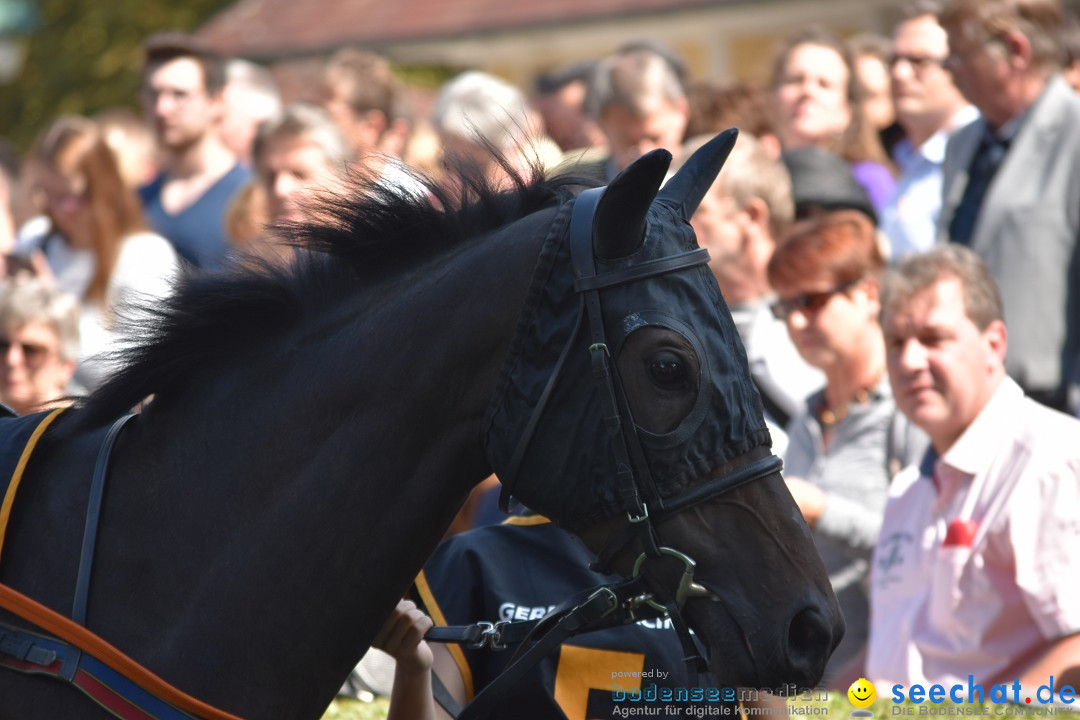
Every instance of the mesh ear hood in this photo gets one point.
(569, 467)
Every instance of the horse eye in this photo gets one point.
(668, 371)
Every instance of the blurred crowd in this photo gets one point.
(879, 186)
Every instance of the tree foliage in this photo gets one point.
(86, 57)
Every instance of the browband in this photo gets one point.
(700, 256)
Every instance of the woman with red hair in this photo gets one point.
(849, 440)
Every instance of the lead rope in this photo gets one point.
(603, 607)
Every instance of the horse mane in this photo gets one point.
(367, 235)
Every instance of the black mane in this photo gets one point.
(366, 236)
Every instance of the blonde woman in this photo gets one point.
(95, 240)
(818, 99)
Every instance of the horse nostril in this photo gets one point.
(810, 641)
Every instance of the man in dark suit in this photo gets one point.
(1012, 180)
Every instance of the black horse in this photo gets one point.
(315, 428)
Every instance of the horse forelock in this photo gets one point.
(357, 241)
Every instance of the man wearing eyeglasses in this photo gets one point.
(929, 108)
(1012, 180)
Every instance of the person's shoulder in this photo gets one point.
(1055, 115)
(1059, 92)
(519, 541)
(481, 558)
(228, 184)
(1046, 449)
(976, 126)
(152, 189)
(766, 330)
(1045, 431)
(146, 240)
(476, 541)
(32, 234)
(802, 445)
(964, 138)
(458, 559)
(519, 532)
(803, 419)
(147, 244)
(908, 480)
(871, 169)
(964, 118)
(237, 176)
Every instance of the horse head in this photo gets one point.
(626, 402)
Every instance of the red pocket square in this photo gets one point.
(961, 533)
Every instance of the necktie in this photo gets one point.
(983, 167)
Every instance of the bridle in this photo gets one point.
(639, 497)
(641, 500)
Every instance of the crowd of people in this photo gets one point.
(893, 205)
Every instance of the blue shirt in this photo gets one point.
(198, 231)
(910, 218)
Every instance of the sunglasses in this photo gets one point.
(33, 354)
(808, 303)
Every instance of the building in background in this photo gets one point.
(718, 38)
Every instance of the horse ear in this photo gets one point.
(619, 225)
(683, 192)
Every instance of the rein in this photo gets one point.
(75, 654)
(602, 607)
(628, 601)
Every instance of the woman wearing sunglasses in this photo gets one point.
(39, 343)
(849, 440)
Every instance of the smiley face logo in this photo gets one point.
(862, 693)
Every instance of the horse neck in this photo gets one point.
(331, 469)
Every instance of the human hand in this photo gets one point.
(809, 497)
(402, 637)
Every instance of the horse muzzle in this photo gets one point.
(748, 651)
(812, 635)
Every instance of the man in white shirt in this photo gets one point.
(976, 569)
